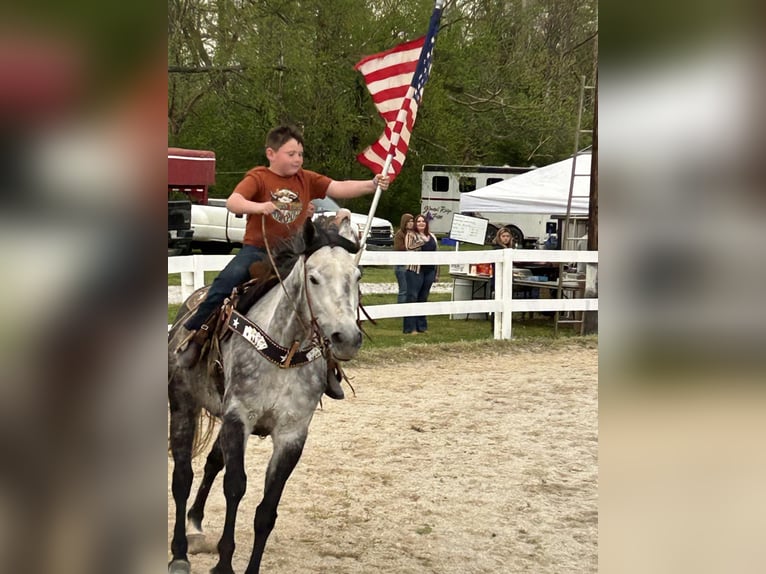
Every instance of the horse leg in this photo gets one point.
(283, 460)
(183, 422)
(232, 442)
(213, 466)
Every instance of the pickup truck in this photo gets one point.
(217, 230)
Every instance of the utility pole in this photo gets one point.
(593, 203)
(590, 319)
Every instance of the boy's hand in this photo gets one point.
(382, 181)
(266, 208)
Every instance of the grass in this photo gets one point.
(387, 333)
(371, 274)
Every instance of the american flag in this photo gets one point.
(395, 79)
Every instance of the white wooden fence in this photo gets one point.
(192, 269)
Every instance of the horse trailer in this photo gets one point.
(441, 186)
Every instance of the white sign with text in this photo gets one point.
(468, 229)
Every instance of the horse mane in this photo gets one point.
(312, 237)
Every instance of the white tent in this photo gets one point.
(542, 190)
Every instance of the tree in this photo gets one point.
(503, 89)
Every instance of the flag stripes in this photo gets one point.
(395, 79)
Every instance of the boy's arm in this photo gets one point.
(239, 203)
(241, 206)
(349, 188)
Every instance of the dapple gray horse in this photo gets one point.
(314, 310)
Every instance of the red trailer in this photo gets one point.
(191, 172)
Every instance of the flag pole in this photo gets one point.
(373, 208)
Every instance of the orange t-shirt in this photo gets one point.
(291, 194)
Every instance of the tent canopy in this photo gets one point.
(542, 190)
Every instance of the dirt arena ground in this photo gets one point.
(483, 461)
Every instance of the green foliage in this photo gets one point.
(504, 87)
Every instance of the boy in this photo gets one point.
(280, 196)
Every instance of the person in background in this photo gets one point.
(552, 242)
(407, 224)
(419, 277)
(275, 199)
(503, 239)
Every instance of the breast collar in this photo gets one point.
(270, 349)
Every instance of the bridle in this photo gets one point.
(316, 336)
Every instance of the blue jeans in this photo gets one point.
(401, 278)
(236, 272)
(418, 289)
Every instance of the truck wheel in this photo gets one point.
(516, 234)
(215, 248)
(489, 236)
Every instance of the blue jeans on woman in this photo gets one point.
(418, 289)
(236, 272)
(401, 278)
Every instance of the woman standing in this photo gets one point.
(407, 224)
(419, 277)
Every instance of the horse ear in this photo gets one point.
(346, 230)
(309, 232)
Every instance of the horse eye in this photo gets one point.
(314, 280)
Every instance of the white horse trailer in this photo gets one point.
(441, 186)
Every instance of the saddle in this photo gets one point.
(214, 330)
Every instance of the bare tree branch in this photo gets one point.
(204, 70)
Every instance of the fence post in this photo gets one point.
(188, 279)
(497, 278)
(199, 271)
(507, 279)
(590, 318)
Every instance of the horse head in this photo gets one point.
(330, 231)
(332, 285)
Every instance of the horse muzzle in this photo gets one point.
(346, 344)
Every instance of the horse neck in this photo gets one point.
(276, 313)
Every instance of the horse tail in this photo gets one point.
(204, 427)
(203, 433)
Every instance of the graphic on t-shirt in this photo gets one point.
(288, 206)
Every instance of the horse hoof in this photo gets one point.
(179, 567)
(199, 544)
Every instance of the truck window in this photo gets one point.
(467, 184)
(440, 183)
(491, 180)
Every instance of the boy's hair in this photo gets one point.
(280, 135)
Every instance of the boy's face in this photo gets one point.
(287, 160)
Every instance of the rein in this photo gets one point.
(317, 337)
(281, 281)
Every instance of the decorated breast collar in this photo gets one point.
(270, 349)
